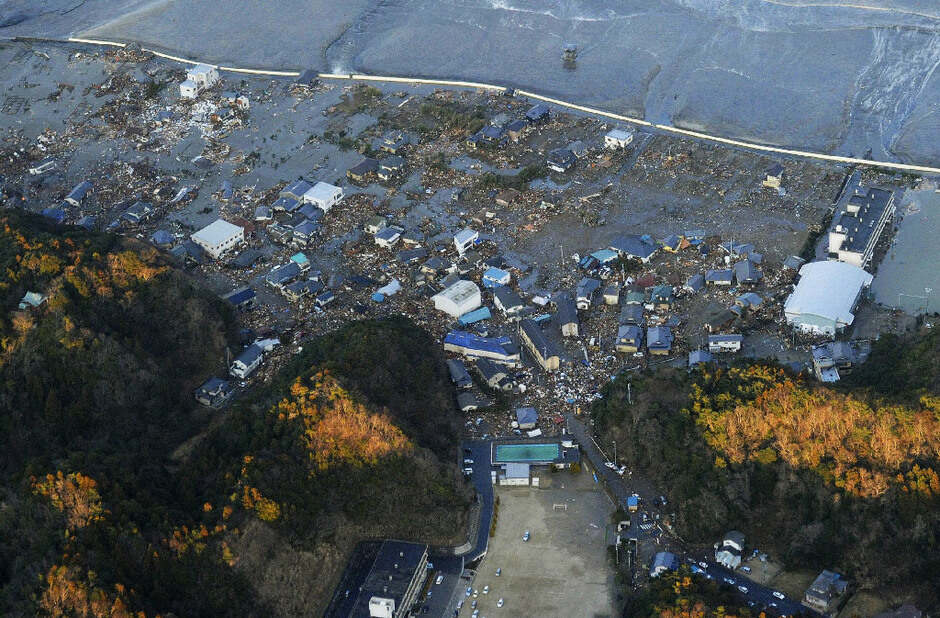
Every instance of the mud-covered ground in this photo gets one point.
(830, 76)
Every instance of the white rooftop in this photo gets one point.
(465, 235)
(827, 289)
(199, 68)
(619, 134)
(320, 192)
(460, 291)
(217, 232)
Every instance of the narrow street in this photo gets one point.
(623, 487)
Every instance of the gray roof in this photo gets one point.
(537, 111)
(630, 333)
(296, 189)
(490, 370)
(633, 245)
(80, 190)
(567, 311)
(250, 355)
(284, 273)
(658, 337)
(735, 537)
(699, 356)
(632, 314)
(458, 373)
(508, 298)
(366, 166)
(588, 286)
(746, 272)
(860, 227)
(720, 275)
(517, 470)
(390, 575)
(545, 347)
(695, 282)
(725, 338)
(526, 416)
(467, 401)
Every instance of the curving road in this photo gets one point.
(756, 595)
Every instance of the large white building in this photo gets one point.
(198, 78)
(458, 299)
(825, 297)
(219, 237)
(323, 195)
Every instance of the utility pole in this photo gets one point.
(615, 451)
(927, 292)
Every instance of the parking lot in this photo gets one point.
(562, 570)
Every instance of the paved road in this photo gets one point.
(621, 487)
(482, 482)
(444, 596)
(756, 595)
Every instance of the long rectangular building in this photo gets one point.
(394, 581)
(499, 349)
(858, 225)
(541, 348)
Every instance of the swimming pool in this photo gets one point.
(526, 452)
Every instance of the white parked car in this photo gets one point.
(468, 462)
(525, 537)
(486, 589)
(499, 603)
(459, 603)
(499, 572)
(743, 589)
(439, 580)
(779, 595)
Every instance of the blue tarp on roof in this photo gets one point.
(477, 315)
(494, 277)
(467, 340)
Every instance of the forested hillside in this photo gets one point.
(842, 478)
(356, 439)
(95, 393)
(96, 387)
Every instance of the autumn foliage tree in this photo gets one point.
(74, 494)
(842, 477)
